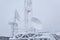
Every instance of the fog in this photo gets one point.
(48, 11)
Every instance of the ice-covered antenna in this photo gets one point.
(28, 11)
(14, 24)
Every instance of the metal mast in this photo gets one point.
(28, 12)
(14, 25)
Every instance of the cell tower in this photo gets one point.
(27, 17)
(28, 12)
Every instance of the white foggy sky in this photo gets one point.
(48, 11)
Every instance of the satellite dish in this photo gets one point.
(35, 20)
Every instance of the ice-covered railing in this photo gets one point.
(57, 37)
(29, 35)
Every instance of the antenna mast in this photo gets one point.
(14, 25)
(28, 12)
